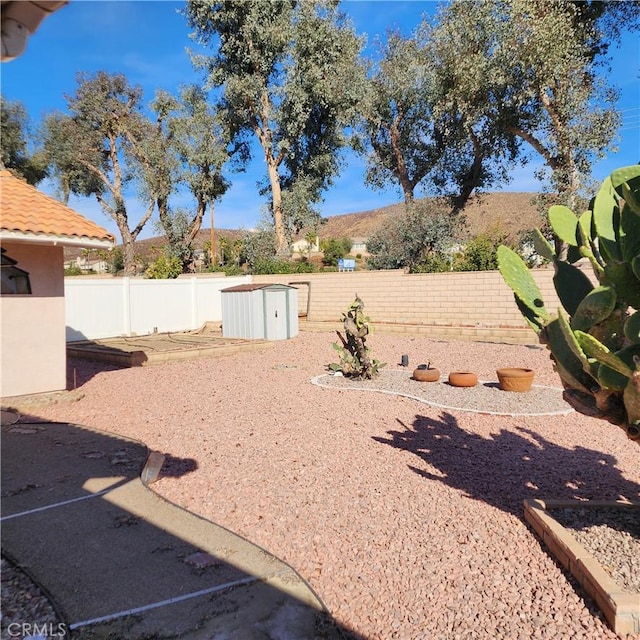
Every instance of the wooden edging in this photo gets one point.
(621, 609)
(103, 352)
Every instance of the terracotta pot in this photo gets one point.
(515, 379)
(426, 375)
(463, 379)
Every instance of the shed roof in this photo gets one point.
(28, 215)
(255, 287)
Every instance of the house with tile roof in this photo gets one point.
(34, 229)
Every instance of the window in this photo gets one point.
(14, 280)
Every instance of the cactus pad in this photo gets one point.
(632, 328)
(517, 276)
(564, 224)
(572, 286)
(613, 379)
(595, 307)
(631, 399)
(629, 175)
(630, 233)
(622, 277)
(597, 350)
(543, 246)
(571, 366)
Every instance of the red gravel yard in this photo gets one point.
(406, 518)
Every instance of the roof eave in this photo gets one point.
(57, 240)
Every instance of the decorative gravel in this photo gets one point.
(611, 536)
(23, 602)
(405, 518)
(485, 397)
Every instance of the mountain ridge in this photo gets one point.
(513, 213)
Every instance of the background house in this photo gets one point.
(34, 228)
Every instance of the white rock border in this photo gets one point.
(317, 380)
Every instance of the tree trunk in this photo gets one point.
(471, 178)
(212, 234)
(282, 246)
(401, 168)
(265, 136)
(128, 249)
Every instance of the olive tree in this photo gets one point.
(417, 240)
(397, 128)
(288, 74)
(415, 135)
(15, 137)
(532, 68)
(100, 149)
(191, 151)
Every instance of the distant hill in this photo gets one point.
(513, 213)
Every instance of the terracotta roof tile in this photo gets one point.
(25, 210)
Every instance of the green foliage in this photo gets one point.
(397, 129)
(289, 74)
(14, 146)
(117, 260)
(413, 134)
(164, 268)
(271, 265)
(596, 352)
(530, 68)
(355, 359)
(230, 250)
(74, 270)
(176, 227)
(416, 239)
(258, 246)
(480, 253)
(334, 249)
(232, 270)
(278, 265)
(190, 151)
(304, 266)
(105, 147)
(433, 264)
(228, 270)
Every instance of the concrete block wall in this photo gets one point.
(476, 304)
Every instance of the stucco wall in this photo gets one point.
(32, 327)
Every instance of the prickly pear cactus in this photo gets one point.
(594, 338)
(355, 360)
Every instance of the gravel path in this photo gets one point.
(406, 518)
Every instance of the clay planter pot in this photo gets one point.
(426, 375)
(463, 379)
(515, 379)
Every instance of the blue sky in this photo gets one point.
(146, 40)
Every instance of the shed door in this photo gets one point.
(276, 315)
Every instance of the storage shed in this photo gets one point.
(260, 311)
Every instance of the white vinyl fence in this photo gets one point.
(111, 307)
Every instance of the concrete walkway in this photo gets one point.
(119, 561)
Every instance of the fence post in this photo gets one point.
(194, 302)
(126, 304)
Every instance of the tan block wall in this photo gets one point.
(478, 301)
